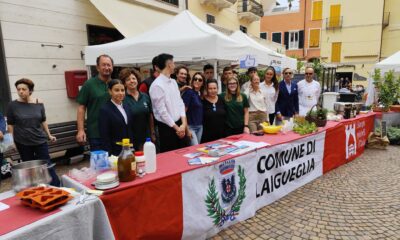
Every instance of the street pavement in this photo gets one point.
(359, 200)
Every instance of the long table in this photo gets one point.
(86, 220)
(181, 201)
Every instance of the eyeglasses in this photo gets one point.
(288, 73)
(308, 73)
(198, 79)
(214, 107)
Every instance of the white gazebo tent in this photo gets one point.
(265, 55)
(389, 64)
(185, 36)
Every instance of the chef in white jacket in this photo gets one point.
(309, 92)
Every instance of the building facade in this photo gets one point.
(297, 29)
(41, 39)
(352, 37)
(391, 29)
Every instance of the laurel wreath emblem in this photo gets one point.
(215, 211)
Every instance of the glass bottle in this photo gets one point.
(125, 161)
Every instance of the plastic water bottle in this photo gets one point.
(149, 150)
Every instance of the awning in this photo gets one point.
(130, 19)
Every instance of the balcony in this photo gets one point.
(218, 4)
(334, 23)
(172, 2)
(250, 10)
(385, 20)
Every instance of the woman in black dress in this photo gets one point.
(214, 114)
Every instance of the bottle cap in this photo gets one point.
(148, 140)
(139, 153)
(125, 142)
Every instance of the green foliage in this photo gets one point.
(300, 65)
(215, 211)
(317, 68)
(304, 127)
(320, 113)
(394, 135)
(388, 88)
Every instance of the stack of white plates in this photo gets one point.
(106, 181)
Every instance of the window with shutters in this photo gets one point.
(277, 37)
(210, 18)
(314, 38)
(263, 35)
(293, 40)
(317, 10)
(336, 50)
(334, 19)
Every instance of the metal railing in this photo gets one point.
(172, 2)
(252, 6)
(385, 20)
(334, 22)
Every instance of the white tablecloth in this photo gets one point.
(75, 221)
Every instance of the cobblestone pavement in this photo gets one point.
(360, 200)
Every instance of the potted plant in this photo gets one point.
(318, 116)
(388, 88)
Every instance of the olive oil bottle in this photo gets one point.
(125, 161)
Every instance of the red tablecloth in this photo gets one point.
(151, 207)
(19, 215)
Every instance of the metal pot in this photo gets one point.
(30, 173)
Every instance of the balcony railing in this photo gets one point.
(250, 10)
(172, 2)
(334, 22)
(385, 20)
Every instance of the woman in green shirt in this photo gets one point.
(140, 106)
(237, 108)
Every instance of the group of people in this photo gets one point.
(173, 113)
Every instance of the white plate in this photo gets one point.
(106, 186)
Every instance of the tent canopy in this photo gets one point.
(265, 55)
(390, 63)
(185, 36)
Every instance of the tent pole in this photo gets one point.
(216, 76)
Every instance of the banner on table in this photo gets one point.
(346, 142)
(218, 196)
(283, 168)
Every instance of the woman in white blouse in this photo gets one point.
(271, 89)
(257, 102)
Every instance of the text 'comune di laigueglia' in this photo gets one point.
(280, 159)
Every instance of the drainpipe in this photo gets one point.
(383, 19)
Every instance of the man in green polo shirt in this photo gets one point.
(92, 96)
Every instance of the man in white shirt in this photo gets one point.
(309, 92)
(168, 107)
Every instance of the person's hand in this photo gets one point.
(246, 130)
(81, 137)
(189, 134)
(184, 88)
(296, 115)
(1, 135)
(279, 116)
(52, 138)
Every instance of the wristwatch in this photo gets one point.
(246, 126)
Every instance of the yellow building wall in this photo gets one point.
(391, 33)
(226, 18)
(360, 34)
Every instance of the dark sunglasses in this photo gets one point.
(308, 73)
(288, 73)
(198, 79)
